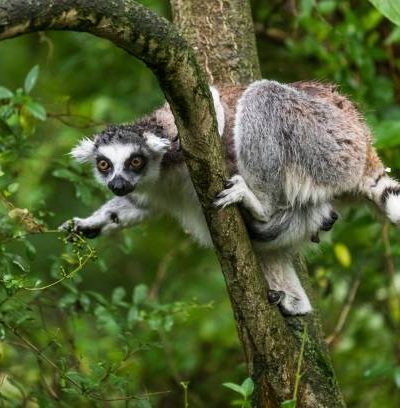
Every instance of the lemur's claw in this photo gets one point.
(275, 296)
(228, 184)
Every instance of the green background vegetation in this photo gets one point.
(137, 313)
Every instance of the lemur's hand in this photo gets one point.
(82, 226)
(93, 226)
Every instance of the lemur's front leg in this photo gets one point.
(237, 191)
(119, 212)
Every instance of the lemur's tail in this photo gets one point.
(386, 194)
(382, 189)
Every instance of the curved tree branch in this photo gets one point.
(270, 346)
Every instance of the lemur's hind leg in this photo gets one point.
(292, 226)
(380, 188)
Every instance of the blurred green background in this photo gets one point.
(151, 311)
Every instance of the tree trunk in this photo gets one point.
(222, 34)
(271, 343)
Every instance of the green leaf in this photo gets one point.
(389, 8)
(289, 404)
(5, 93)
(343, 254)
(378, 371)
(387, 133)
(235, 387)
(139, 294)
(118, 296)
(396, 376)
(13, 188)
(36, 110)
(30, 250)
(248, 386)
(31, 79)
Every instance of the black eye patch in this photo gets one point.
(135, 162)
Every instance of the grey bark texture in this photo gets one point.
(222, 35)
(271, 343)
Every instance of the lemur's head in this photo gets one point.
(125, 156)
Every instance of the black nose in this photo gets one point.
(119, 186)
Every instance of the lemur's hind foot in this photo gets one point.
(288, 304)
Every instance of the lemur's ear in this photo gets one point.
(83, 151)
(157, 144)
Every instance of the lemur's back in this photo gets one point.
(285, 136)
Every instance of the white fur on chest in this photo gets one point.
(175, 195)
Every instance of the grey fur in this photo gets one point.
(295, 148)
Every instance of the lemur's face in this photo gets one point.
(123, 158)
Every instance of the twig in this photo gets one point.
(299, 363)
(393, 302)
(344, 313)
(63, 118)
(97, 397)
(79, 267)
(163, 269)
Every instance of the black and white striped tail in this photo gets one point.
(386, 193)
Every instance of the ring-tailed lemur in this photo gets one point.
(291, 149)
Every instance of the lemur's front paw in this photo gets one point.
(289, 304)
(79, 226)
(234, 192)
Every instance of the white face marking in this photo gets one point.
(117, 153)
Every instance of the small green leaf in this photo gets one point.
(235, 387)
(5, 93)
(343, 255)
(118, 296)
(30, 250)
(36, 110)
(13, 188)
(139, 294)
(248, 386)
(289, 404)
(31, 79)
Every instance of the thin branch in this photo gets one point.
(344, 313)
(51, 363)
(63, 118)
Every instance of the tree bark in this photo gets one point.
(222, 35)
(271, 343)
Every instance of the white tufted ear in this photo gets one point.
(83, 151)
(156, 144)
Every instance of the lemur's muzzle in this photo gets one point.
(120, 187)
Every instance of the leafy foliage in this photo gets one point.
(132, 317)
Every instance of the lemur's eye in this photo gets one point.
(137, 162)
(103, 165)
